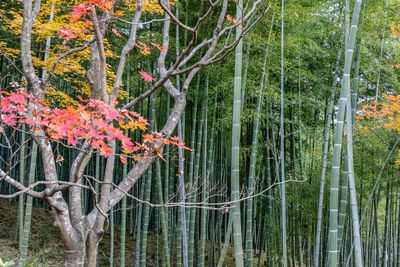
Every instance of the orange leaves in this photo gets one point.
(79, 11)
(228, 17)
(395, 30)
(389, 110)
(123, 159)
(93, 122)
(144, 49)
(114, 31)
(161, 48)
(102, 4)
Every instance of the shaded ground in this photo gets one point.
(46, 249)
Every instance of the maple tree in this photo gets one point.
(387, 111)
(80, 54)
(90, 122)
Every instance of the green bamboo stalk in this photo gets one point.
(356, 73)
(179, 233)
(333, 207)
(182, 193)
(268, 250)
(380, 56)
(324, 162)
(111, 258)
(244, 84)
(345, 179)
(146, 218)
(195, 182)
(157, 242)
(282, 133)
(123, 219)
(182, 246)
(123, 227)
(97, 174)
(167, 178)
(354, 96)
(146, 212)
(124, 199)
(253, 159)
(203, 219)
(352, 189)
(48, 43)
(235, 168)
(23, 249)
(163, 216)
(343, 201)
(139, 224)
(212, 181)
(226, 243)
(22, 168)
(192, 144)
(181, 215)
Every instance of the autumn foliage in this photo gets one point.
(388, 110)
(92, 121)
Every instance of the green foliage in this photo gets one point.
(7, 263)
(38, 258)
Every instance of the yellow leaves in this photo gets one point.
(70, 64)
(82, 88)
(150, 6)
(59, 99)
(133, 125)
(397, 162)
(389, 110)
(395, 30)
(9, 52)
(395, 33)
(123, 159)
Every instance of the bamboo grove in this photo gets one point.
(286, 161)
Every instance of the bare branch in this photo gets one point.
(172, 17)
(130, 44)
(141, 23)
(29, 17)
(102, 56)
(22, 189)
(67, 53)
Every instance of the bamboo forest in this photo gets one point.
(200, 133)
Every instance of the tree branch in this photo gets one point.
(130, 44)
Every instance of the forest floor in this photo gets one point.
(46, 249)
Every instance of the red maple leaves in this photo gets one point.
(93, 121)
(79, 11)
(63, 33)
(146, 76)
(161, 48)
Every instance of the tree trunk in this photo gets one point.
(74, 258)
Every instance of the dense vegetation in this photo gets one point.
(290, 154)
